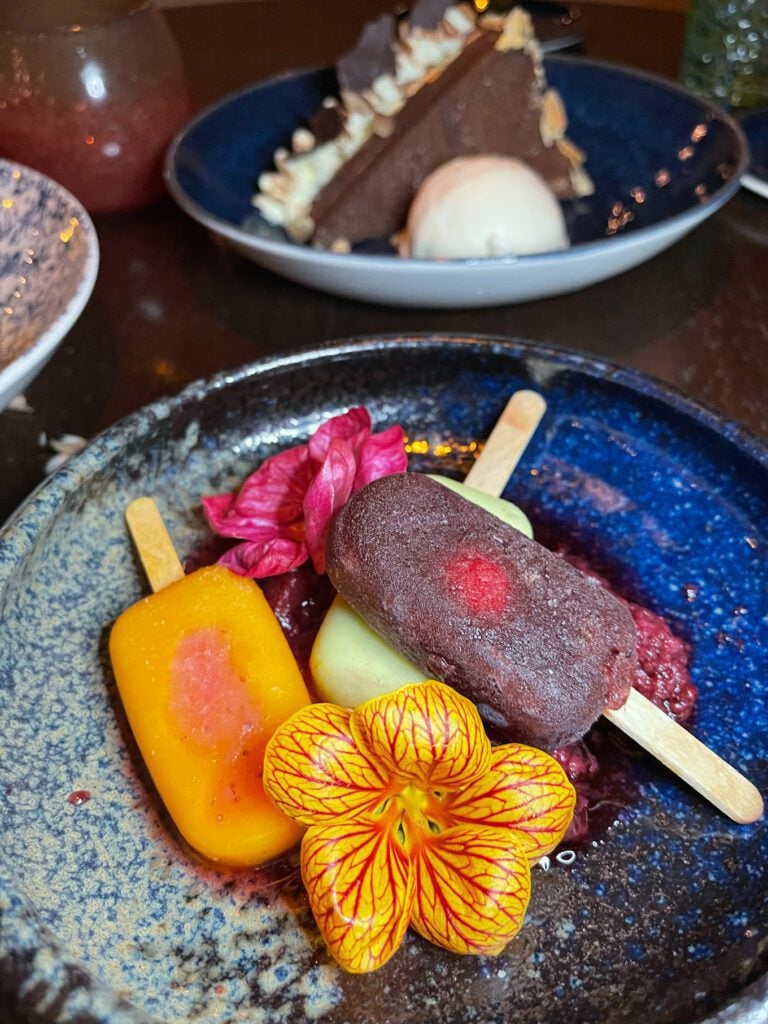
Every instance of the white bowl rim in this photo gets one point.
(543, 261)
(46, 342)
(756, 184)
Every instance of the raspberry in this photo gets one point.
(662, 673)
(662, 658)
(577, 761)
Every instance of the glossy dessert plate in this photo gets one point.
(106, 917)
(662, 159)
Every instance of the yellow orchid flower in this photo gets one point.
(414, 819)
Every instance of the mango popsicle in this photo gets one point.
(539, 648)
(206, 675)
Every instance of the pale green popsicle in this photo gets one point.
(504, 510)
(351, 663)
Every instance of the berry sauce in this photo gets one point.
(300, 600)
(599, 766)
(662, 658)
(79, 797)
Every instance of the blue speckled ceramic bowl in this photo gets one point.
(49, 258)
(662, 159)
(105, 917)
(755, 127)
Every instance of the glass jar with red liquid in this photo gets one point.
(91, 92)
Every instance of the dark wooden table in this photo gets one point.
(170, 305)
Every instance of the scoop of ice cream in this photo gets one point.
(479, 206)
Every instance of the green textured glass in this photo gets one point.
(726, 51)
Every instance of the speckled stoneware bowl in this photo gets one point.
(49, 258)
(106, 917)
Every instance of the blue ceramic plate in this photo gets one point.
(755, 127)
(106, 917)
(662, 161)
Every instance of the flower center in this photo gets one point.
(414, 814)
(413, 801)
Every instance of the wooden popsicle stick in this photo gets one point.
(676, 748)
(506, 443)
(153, 543)
(688, 757)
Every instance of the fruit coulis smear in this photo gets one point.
(600, 765)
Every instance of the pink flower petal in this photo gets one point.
(284, 509)
(269, 499)
(381, 455)
(218, 509)
(251, 528)
(265, 558)
(277, 487)
(353, 426)
(329, 490)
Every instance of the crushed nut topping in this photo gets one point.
(554, 119)
(517, 31)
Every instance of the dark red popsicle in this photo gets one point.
(541, 649)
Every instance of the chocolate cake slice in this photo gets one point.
(414, 95)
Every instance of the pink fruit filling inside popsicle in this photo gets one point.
(208, 697)
(480, 586)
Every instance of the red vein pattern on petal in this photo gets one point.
(314, 771)
(526, 791)
(472, 887)
(425, 733)
(360, 886)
